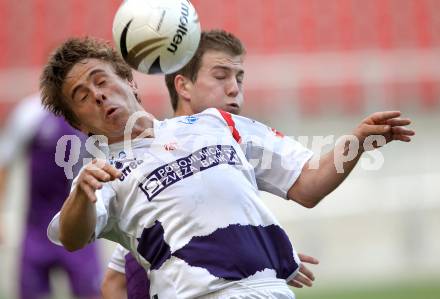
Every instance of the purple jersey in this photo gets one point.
(138, 286)
(48, 185)
(36, 132)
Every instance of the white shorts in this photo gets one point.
(255, 289)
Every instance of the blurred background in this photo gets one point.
(314, 68)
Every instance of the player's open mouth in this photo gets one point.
(234, 106)
(110, 112)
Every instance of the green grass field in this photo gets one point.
(396, 291)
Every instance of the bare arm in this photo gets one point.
(77, 220)
(78, 214)
(114, 285)
(314, 184)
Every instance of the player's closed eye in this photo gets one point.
(81, 95)
(220, 77)
(220, 74)
(101, 82)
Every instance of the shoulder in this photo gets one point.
(224, 118)
(28, 110)
(210, 117)
(120, 252)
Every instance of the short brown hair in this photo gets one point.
(217, 40)
(62, 60)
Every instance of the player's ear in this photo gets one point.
(134, 87)
(183, 87)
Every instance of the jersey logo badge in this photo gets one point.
(168, 174)
(189, 120)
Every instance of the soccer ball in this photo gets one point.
(156, 36)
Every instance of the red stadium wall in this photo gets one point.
(297, 29)
(30, 28)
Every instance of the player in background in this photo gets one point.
(125, 277)
(164, 210)
(216, 74)
(33, 132)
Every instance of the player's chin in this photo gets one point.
(233, 108)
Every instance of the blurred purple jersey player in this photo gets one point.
(36, 132)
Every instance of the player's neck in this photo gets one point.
(142, 127)
(183, 110)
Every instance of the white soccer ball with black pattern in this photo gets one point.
(156, 36)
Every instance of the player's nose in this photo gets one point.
(233, 88)
(98, 95)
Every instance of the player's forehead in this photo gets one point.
(216, 59)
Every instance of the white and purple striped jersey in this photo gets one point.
(188, 207)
